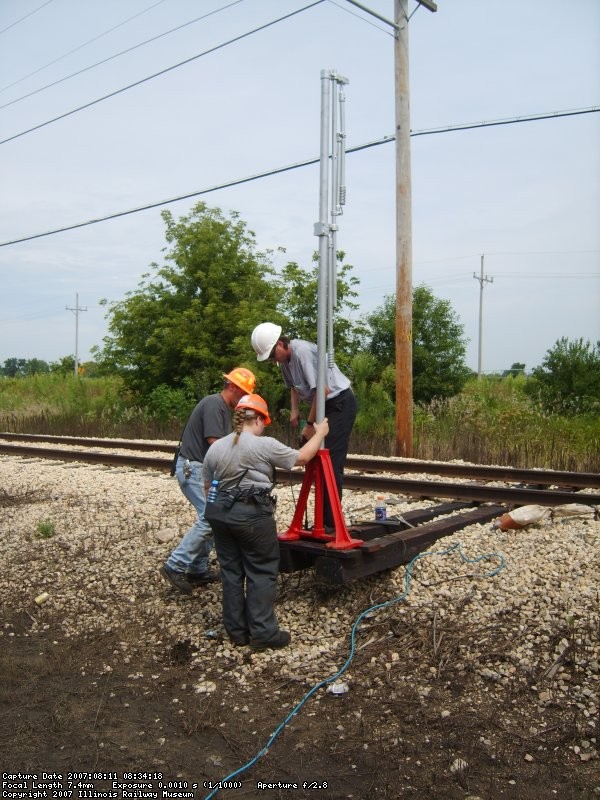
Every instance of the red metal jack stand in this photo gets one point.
(320, 472)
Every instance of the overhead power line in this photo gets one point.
(115, 55)
(528, 118)
(362, 19)
(546, 275)
(469, 256)
(31, 13)
(287, 168)
(74, 50)
(162, 72)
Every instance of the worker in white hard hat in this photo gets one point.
(297, 360)
(187, 566)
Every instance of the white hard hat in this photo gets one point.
(264, 339)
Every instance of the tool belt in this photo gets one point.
(260, 497)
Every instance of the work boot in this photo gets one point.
(281, 639)
(200, 578)
(241, 640)
(176, 579)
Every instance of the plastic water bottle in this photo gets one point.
(212, 492)
(380, 508)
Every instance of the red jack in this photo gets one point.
(320, 472)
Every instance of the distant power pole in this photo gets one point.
(77, 309)
(482, 280)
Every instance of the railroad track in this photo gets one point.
(541, 487)
(363, 464)
(382, 545)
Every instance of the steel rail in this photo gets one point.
(542, 477)
(85, 441)
(414, 488)
(536, 477)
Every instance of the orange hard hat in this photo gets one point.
(242, 378)
(254, 402)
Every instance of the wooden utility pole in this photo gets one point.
(404, 383)
(404, 375)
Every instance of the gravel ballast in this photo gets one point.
(93, 538)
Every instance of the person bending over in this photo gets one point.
(297, 360)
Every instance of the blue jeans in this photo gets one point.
(191, 555)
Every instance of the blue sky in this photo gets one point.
(526, 195)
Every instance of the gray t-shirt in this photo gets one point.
(300, 372)
(210, 419)
(247, 464)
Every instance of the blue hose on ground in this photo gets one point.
(453, 548)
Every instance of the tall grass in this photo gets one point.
(492, 421)
(519, 436)
(65, 405)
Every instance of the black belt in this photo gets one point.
(335, 396)
(258, 498)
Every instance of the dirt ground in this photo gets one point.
(62, 712)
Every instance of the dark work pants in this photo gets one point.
(248, 553)
(341, 413)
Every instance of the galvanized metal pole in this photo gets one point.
(338, 196)
(404, 376)
(321, 230)
(332, 276)
(332, 158)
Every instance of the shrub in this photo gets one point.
(568, 381)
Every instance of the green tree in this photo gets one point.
(568, 379)
(439, 344)
(14, 367)
(64, 366)
(36, 366)
(517, 368)
(381, 332)
(192, 317)
(91, 370)
(298, 307)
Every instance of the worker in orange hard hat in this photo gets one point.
(254, 402)
(242, 379)
(241, 468)
(187, 566)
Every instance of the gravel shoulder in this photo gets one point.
(467, 685)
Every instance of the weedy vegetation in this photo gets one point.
(493, 420)
(45, 529)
